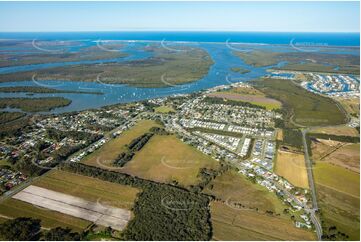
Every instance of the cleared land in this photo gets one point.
(301, 106)
(338, 193)
(346, 155)
(104, 156)
(338, 130)
(231, 224)
(292, 167)
(165, 159)
(90, 189)
(234, 188)
(77, 207)
(268, 103)
(164, 109)
(34, 104)
(13, 208)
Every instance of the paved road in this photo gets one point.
(311, 183)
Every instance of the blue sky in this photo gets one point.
(207, 16)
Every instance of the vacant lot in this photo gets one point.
(302, 107)
(338, 191)
(338, 130)
(166, 158)
(346, 155)
(268, 103)
(292, 167)
(49, 219)
(234, 188)
(88, 188)
(232, 224)
(164, 109)
(104, 156)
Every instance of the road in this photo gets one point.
(311, 183)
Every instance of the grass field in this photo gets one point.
(338, 192)
(232, 188)
(88, 188)
(302, 107)
(232, 224)
(104, 156)
(164, 109)
(91, 189)
(346, 155)
(165, 159)
(352, 106)
(337, 130)
(292, 167)
(49, 219)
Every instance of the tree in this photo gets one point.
(20, 229)
(58, 234)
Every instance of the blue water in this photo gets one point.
(220, 46)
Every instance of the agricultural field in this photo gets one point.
(292, 167)
(338, 193)
(302, 107)
(104, 156)
(250, 95)
(346, 155)
(166, 159)
(238, 224)
(234, 188)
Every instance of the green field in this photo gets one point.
(338, 193)
(165, 159)
(105, 156)
(38, 89)
(34, 104)
(237, 224)
(301, 107)
(235, 188)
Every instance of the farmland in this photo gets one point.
(165, 159)
(292, 167)
(301, 106)
(233, 224)
(110, 151)
(338, 192)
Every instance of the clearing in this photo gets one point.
(292, 167)
(165, 158)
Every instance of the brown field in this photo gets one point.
(346, 155)
(280, 134)
(89, 188)
(104, 156)
(338, 130)
(234, 188)
(232, 224)
(352, 106)
(166, 158)
(292, 167)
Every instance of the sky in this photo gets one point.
(177, 16)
